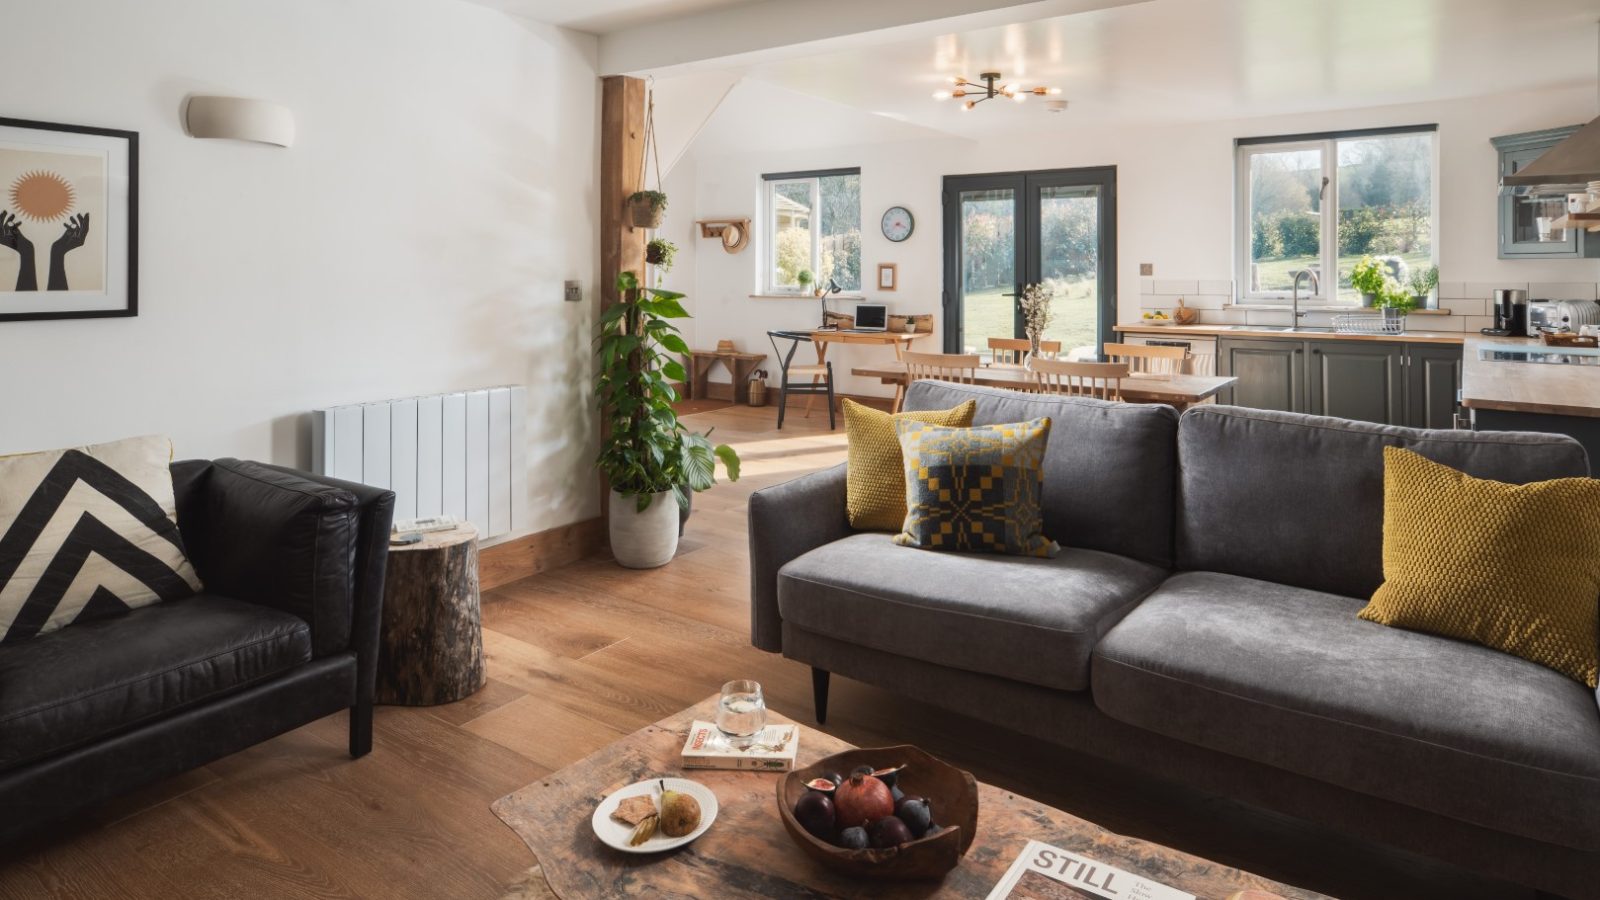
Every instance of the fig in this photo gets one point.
(824, 785)
(854, 838)
(861, 800)
(916, 813)
(888, 776)
(896, 793)
(888, 832)
(814, 812)
(836, 778)
(861, 770)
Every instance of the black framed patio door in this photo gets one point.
(1004, 231)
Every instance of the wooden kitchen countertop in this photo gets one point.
(1527, 387)
(1304, 334)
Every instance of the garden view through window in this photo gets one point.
(1320, 206)
(814, 220)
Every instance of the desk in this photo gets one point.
(899, 340)
(739, 366)
(1179, 391)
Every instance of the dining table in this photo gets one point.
(1176, 390)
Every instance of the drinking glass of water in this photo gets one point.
(741, 713)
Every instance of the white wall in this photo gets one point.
(1175, 204)
(414, 240)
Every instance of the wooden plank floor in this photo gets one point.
(578, 657)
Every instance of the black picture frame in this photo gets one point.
(131, 227)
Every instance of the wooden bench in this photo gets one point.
(739, 366)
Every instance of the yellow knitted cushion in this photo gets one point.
(1513, 567)
(875, 487)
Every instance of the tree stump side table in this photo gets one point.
(430, 649)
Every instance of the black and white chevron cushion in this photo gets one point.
(88, 533)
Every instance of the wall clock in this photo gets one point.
(898, 224)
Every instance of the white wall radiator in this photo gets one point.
(463, 454)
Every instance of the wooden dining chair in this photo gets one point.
(1103, 381)
(1014, 351)
(1145, 359)
(961, 368)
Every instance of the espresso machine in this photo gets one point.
(1510, 314)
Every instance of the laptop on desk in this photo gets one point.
(871, 317)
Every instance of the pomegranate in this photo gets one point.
(862, 799)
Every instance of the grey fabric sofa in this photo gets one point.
(1200, 624)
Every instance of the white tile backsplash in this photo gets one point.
(1175, 288)
(1267, 317)
(1484, 290)
(1451, 289)
(1147, 285)
(1475, 306)
(1220, 288)
(1222, 317)
(1477, 323)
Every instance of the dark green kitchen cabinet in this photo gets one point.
(1433, 382)
(1521, 210)
(1271, 373)
(1361, 380)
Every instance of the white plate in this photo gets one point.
(616, 834)
(1156, 322)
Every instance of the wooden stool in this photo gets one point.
(739, 366)
(430, 648)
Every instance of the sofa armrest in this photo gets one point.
(312, 546)
(788, 520)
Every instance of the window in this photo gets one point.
(1318, 203)
(814, 226)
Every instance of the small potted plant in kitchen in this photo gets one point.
(804, 278)
(1395, 301)
(659, 253)
(1369, 278)
(1422, 284)
(647, 455)
(647, 208)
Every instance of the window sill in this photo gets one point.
(850, 297)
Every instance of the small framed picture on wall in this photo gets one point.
(69, 221)
(888, 276)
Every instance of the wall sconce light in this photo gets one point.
(239, 119)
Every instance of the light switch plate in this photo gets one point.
(574, 292)
(1147, 268)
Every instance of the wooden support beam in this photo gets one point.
(622, 109)
(622, 121)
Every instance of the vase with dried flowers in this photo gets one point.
(1037, 312)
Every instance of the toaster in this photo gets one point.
(1561, 315)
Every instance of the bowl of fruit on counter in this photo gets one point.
(892, 813)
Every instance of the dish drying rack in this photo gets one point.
(1365, 323)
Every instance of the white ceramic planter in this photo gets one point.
(644, 540)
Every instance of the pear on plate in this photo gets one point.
(680, 813)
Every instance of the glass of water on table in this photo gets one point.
(741, 713)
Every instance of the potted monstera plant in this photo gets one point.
(651, 460)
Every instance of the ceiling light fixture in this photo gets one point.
(985, 88)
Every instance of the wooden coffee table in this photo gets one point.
(747, 854)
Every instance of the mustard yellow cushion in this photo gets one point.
(975, 489)
(875, 486)
(1513, 567)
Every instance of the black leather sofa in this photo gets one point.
(284, 633)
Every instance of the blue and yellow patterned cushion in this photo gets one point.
(975, 489)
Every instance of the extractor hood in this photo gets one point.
(1566, 168)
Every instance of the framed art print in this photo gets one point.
(69, 221)
(888, 276)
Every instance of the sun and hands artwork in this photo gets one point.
(50, 206)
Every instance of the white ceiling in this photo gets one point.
(1194, 60)
(603, 16)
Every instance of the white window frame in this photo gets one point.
(1328, 286)
(770, 245)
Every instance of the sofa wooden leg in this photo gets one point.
(819, 693)
(360, 729)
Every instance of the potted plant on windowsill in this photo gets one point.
(647, 208)
(1396, 302)
(1369, 278)
(804, 278)
(1422, 284)
(647, 455)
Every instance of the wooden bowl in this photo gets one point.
(951, 792)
